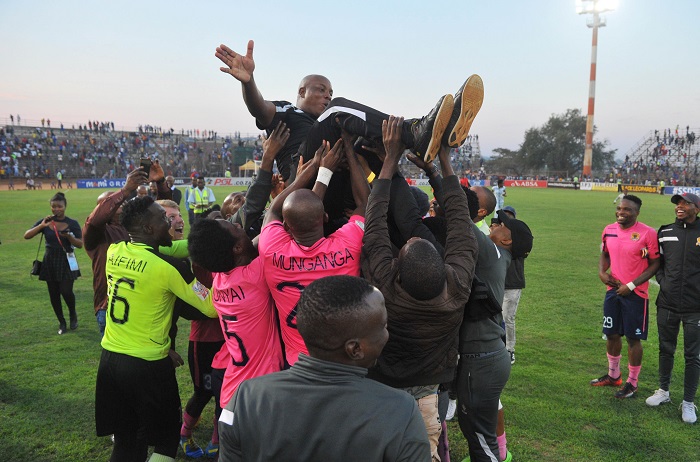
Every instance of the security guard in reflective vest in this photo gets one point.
(201, 198)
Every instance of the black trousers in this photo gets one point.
(357, 119)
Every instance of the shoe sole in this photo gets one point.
(442, 120)
(471, 99)
(629, 395)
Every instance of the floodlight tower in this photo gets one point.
(594, 7)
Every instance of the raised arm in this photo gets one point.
(461, 246)
(393, 147)
(259, 192)
(93, 231)
(241, 68)
(358, 178)
(377, 250)
(331, 161)
(305, 174)
(156, 174)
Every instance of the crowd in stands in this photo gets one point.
(97, 150)
(669, 155)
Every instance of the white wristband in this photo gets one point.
(324, 175)
(630, 286)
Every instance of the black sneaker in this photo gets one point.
(62, 329)
(627, 391)
(468, 101)
(428, 131)
(73, 321)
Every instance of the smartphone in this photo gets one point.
(146, 164)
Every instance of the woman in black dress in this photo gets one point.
(62, 235)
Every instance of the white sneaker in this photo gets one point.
(451, 409)
(688, 412)
(659, 397)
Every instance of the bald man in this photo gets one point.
(292, 243)
(487, 204)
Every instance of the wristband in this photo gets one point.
(631, 286)
(324, 175)
(432, 171)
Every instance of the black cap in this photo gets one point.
(520, 234)
(688, 197)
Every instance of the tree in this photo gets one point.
(558, 146)
(508, 162)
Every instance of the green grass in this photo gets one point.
(552, 414)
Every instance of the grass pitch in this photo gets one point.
(552, 413)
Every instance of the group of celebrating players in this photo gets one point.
(341, 315)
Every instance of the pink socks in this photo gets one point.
(614, 366)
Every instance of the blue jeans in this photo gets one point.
(101, 317)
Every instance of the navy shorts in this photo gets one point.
(628, 316)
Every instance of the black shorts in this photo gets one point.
(133, 394)
(199, 358)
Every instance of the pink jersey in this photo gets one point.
(290, 267)
(222, 358)
(630, 250)
(247, 314)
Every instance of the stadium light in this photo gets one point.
(594, 7)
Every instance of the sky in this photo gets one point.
(152, 62)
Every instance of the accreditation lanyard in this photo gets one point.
(57, 236)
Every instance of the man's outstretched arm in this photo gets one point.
(241, 68)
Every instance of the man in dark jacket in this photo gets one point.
(679, 302)
(323, 406)
(424, 295)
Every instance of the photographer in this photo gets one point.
(62, 235)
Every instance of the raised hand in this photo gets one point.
(156, 173)
(134, 179)
(391, 136)
(420, 163)
(238, 66)
(277, 185)
(334, 158)
(276, 141)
